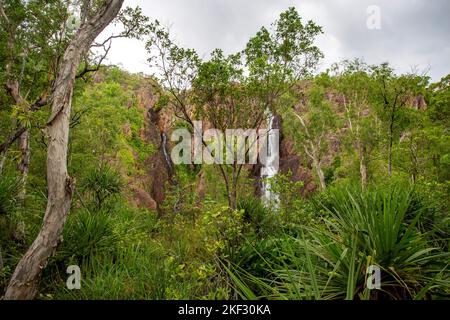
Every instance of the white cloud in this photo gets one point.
(413, 33)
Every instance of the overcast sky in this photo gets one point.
(414, 33)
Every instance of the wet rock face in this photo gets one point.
(159, 165)
(158, 170)
(148, 190)
(290, 162)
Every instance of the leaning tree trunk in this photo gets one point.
(318, 167)
(362, 164)
(23, 284)
(2, 161)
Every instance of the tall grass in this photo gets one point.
(9, 190)
(136, 272)
(363, 228)
(122, 255)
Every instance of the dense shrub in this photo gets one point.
(101, 184)
(364, 228)
(9, 190)
(87, 235)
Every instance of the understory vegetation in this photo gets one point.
(372, 146)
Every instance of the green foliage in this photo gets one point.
(11, 227)
(440, 100)
(256, 214)
(292, 209)
(364, 228)
(102, 184)
(87, 236)
(223, 230)
(9, 190)
(144, 272)
(109, 111)
(121, 258)
(285, 53)
(310, 245)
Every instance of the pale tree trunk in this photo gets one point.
(24, 164)
(390, 156)
(2, 160)
(234, 182)
(1, 259)
(23, 284)
(317, 165)
(414, 159)
(313, 152)
(363, 170)
(362, 164)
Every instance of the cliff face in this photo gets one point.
(150, 189)
(158, 166)
(160, 170)
(147, 183)
(291, 162)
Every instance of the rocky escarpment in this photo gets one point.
(160, 169)
(149, 190)
(159, 165)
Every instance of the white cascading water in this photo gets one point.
(165, 153)
(270, 169)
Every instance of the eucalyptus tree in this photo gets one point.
(94, 17)
(239, 89)
(278, 57)
(312, 124)
(175, 67)
(214, 91)
(353, 82)
(392, 95)
(31, 50)
(422, 138)
(440, 100)
(223, 98)
(34, 37)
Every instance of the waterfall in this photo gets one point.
(270, 169)
(165, 153)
